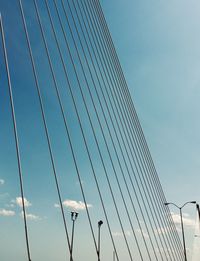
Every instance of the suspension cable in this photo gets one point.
(16, 137)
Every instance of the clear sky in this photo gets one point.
(158, 46)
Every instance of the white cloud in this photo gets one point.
(166, 230)
(117, 234)
(18, 201)
(188, 222)
(78, 183)
(120, 234)
(2, 182)
(128, 233)
(196, 250)
(30, 216)
(6, 213)
(11, 205)
(142, 232)
(73, 204)
(162, 230)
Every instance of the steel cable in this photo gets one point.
(44, 121)
(137, 155)
(15, 137)
(128, 155)
(118, 62)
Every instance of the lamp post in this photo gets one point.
(198, 211)
(100, 223)
(180, 209)
(74, 216)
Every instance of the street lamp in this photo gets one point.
(100, 223)
(74, 216)
(180, 209)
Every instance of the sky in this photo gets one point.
(159, 52)
(158, 46)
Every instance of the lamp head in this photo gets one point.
(193, 202)
(100, 223)
(166, 204)
(74, 215)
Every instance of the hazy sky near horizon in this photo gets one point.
(158, 46)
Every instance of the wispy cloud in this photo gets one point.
(6, 213)
(117, 234)
(165, 230)
(2, 182)
(78, 183)
(120, 234)
(162, 230)
(18, 201)
(188, 222)
(4, 195)
(11, 205)
(73, 205)
(142, 233)
(30, 216)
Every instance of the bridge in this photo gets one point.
(77, 178)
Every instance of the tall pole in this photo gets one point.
(72, 240)
(181, 216)
(183, 234)
(99, 243)
(198, 211)
(99, 238)
(74, 216)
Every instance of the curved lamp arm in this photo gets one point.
(192, 202)
(170, 203)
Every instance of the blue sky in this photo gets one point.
(158, 46)
(160, 56)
